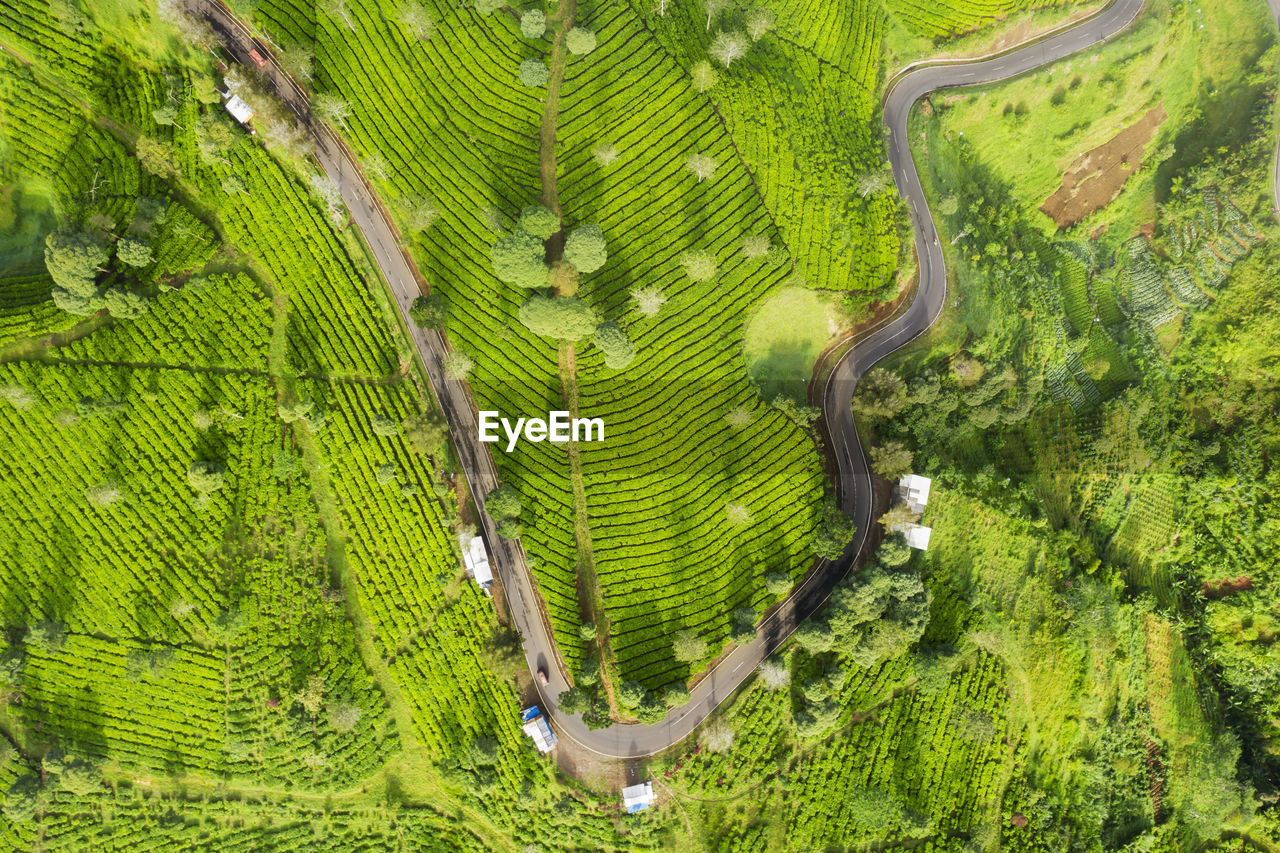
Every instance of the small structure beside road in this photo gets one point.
(637, 798)
(476, 560)
(537, 728)
(914, 490)
(239, 110)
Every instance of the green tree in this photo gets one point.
(429, 312)
(880, 394)
(630, 695)
(585, 248)
(893, 552)
(588, 632)
(567, 318)
(503, 503)
(23, 799)
(803, 416)
(814, 635)
(427, 433)
(676, 693)
(47, 636)
(157, 157)
(384, 426)
(80, 778)
(533, 23)
(74, 260)
(206, 477)
(652, 710)
(835, 531)
(572, 701)
(580, 41)
(534, 73)
(688, 647)
(539, 220)
(519, 258)
(891, 460)
(589, 673)
(777, 583)
(124, 304)
(618, 350)
(165, 115)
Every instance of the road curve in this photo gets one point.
(623, 741)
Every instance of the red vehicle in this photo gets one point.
(542, 676)
(257, 57)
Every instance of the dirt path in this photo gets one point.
(590, 595)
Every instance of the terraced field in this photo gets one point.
(949, 17)
(287, 613)
(656, 509)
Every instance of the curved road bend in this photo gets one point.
(637, 741)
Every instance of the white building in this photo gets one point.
(637, 798)
(238, 108)
(476, 559)
(917, 536)
(537, 727)
(914, 489)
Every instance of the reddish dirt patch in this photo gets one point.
(1096, 176)
(1226, 586)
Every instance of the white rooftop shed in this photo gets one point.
(238, 108)
(915, 491)
(637, 798)
(918, 537)
(476, 560)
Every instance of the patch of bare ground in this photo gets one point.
(1096, 176)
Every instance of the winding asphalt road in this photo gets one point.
(636, 741)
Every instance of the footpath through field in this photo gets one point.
(636, 741)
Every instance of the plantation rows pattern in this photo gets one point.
(658, 495)
(671, 512)
(949, 17)
(476, 156)
(173, 592)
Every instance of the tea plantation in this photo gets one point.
(232, 610)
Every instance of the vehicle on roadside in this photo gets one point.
(542, 676)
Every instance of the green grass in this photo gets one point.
(918, 29)
(1178, 55)
(784, 338)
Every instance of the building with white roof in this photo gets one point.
(239, 110)
(637, 798)
(476, 559)
(537, 728)
(914, 489)
(917, 536)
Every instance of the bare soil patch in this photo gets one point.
(1096, 176)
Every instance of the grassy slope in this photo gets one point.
(1175, 56)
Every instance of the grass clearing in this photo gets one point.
(784, 337)
(1033, 129)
